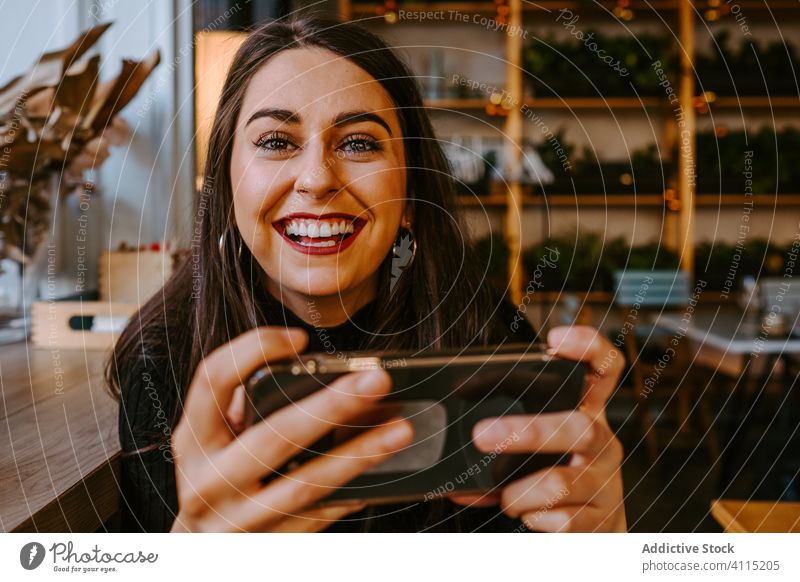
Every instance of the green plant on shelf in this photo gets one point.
(587, 262)
(760, 162)
(583, 262)
(723, 265)
(750, 69)
(644, 173)
(567, 68)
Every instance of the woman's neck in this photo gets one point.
(324, 310)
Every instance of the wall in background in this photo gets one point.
(145, 189)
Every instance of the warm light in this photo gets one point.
(712, 15)
(710, 96)
(626, 179)
(496, 98)
(713, 3)
(214, 55)
(390, 17)
(721, 131)
(669, 194)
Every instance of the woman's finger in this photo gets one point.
(569, 519)
(268, 445)
(316, 519)
(477, 500)
(606, 362)
(235, 413)
(203, 424)
(555, 432)
(293, 493)
(552, 487)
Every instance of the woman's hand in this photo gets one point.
(586, 495)
(219, 473)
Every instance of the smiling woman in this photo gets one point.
(321, 159)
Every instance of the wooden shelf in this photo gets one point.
(618, 103)
(367, 10)
(630, 200)
(777, 102)
(653, 8)
(641, 8)
(568, 103)
(737, 200)
(596, 200)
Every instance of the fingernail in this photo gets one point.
(546, 520)
(372, 382)
(489, 432)
(296, 335)
(556, 336)
(397, 434)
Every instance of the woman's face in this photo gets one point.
(318, 173)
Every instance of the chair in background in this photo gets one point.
(658, 360)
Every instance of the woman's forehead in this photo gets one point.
(316, 83)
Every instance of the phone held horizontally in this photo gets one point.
(443, 394)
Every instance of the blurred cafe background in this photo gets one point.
(630, 165)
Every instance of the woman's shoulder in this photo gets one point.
(145, 368)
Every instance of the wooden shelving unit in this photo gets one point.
(631, 200)
(681, 16)
(654, 9)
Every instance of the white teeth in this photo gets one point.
(324, 243)
(318, 228)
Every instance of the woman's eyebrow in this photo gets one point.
(360, 115)
(344, 118)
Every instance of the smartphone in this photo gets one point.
(443, 394)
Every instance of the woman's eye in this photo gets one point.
(361, 145)
(274, 143)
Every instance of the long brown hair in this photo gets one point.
(439, 301)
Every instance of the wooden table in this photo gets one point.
(58, 440)
(729, 343)
(738, 516)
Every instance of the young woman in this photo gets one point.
(322, 156)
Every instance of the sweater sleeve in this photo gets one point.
(148, 498)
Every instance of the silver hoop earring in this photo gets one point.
(221, 244)
(404, 250)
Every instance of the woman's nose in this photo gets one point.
(317, 176)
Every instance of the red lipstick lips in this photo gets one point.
(319, 234)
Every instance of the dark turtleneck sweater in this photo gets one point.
(148, 496)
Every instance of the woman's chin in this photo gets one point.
(316, 285)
